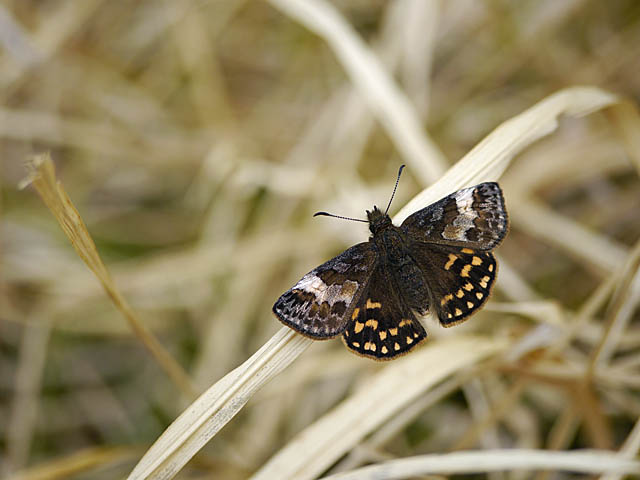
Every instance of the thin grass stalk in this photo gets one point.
(587, 462)
(43, 178)
(217, 406)
(390, 106)
(629, 449)
(77, 463)
(321, 444)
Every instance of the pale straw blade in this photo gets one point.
(392, 389)
(43, 178)
(217, 406)
(489, 158)
(388, 103)
(587, 462)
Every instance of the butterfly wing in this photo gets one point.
(382, 325)
(473, 217)
(321, 303)
(461, 279)
(451, 241)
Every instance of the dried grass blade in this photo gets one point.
(629, 449)
(43, 177)
(587, 246)
(209, 413)
(588, 461)
(21, 422)
(627, 119)
(325, 441)
(76, 463)
(621, 309)
(489, 158)
(390, 105)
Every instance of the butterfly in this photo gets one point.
(439, 260)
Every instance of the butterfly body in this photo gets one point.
(438, 260)
(393, 248)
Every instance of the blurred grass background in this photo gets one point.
(196, 138)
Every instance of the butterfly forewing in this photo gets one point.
(320, 304)
(382, 326)
(473, 217)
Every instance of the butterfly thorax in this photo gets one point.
(387, 238)
(378, 221)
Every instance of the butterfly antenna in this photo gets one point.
(325, 214)
(394, 188)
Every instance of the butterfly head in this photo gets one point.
(378, 220)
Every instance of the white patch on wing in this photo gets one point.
(466, 215)
(464, 200)
(313, 284)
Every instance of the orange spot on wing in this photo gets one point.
(372, 323)
(450, 262)
(371, 304)
(448, 297)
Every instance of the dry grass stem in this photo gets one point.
(329, 438)
(76, 464)
(387, 102)
(43, 178)
(588, 462)
(488, 160)
(21, 423)
(199, 422)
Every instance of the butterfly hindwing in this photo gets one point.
(462, 279)
(382, 326)
(473, 217)
(321, 303)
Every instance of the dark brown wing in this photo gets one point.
(459, 280)
(382, 326)
(320, 304)
(473, 217)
